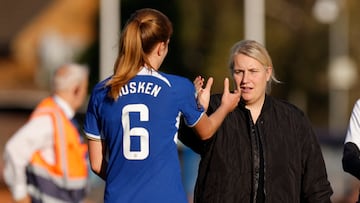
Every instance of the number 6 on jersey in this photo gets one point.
(142, 133)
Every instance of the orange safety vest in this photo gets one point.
(66, 179)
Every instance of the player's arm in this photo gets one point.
(351, 153)
(207, 125)
(351, 159)
(98, 162)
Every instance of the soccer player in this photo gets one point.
(133, 117)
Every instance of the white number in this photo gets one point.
(136, 131)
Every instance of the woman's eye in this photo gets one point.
(254, 70)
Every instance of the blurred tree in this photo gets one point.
(299, 47)
(91, 57)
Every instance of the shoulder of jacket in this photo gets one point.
(286, 106)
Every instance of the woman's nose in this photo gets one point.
(245, 77)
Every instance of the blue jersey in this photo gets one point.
(140, 132)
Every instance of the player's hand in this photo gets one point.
(203, 94)
(230, 100)
(198, 83)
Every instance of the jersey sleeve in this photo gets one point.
(353, 132)
(191, 111)
(91, 124)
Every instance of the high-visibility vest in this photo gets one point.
(66, 179)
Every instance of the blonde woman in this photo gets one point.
(265, 150)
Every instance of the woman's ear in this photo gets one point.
(161, 48)
(76, 90)
(268, 73)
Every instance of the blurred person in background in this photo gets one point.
(351, 153)
(46, 160)
(265, 150)
(133, 117)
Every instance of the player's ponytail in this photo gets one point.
(144, 29)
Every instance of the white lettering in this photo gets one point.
(140, 88)
(124, 90)
(132, 87)
(155, 91)
(148, 88)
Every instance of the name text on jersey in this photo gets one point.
(140, 88)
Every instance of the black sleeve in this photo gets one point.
(189, 138)
(315, 184)
(351, 159)
(188, 135)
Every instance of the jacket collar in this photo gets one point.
(65, 107)
(266, 105)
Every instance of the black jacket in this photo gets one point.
(294, 169)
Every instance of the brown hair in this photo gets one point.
(144, 29)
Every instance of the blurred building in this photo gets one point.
(35, 37)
